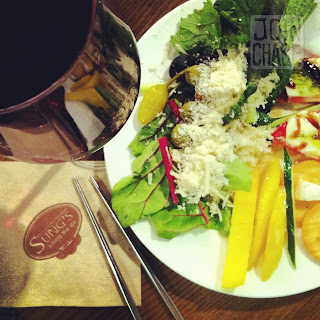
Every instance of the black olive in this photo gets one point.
(180, 63)
(184, 93)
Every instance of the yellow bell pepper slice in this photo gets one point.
(89, 95)
(270, 181)
(240, 235)
(275, 238)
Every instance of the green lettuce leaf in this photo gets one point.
(224, 225)
(275, 7)
(236, 20)
(145, 192)
(238, 174)
(294, 16)
(159, 127)
(173, 221)
(201, 30)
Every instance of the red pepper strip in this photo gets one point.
(175, 109)
(167, 161)
(279, 135)
(282, 97)
(302, 99)
(203, 213)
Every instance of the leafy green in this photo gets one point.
(222, 225)
(141, 195)
(159, 127)
(145, 192)
(226, 24)
(173, 221)
(294, 16)
(236, 110)
(236, 19)
(201, 30)
(283, 67)
(238, 174)
(284, 71)
(275, 7)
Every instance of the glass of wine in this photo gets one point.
(69, 78)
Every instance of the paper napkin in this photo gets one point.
(49, 253)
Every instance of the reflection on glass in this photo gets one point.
(85, 107)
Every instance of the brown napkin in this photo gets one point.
(49, 253)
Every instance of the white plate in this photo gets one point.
(198, 255)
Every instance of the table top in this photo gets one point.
(193, 301)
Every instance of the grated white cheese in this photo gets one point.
(200, 168)
(222, 82)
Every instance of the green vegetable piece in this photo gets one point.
(236, 110)
(201, 30)
(159, 127)
(185, 112)
(145, 192)
(284, 72)
(275, 7)
(178, 139)
(287, 168)
(265, 119)
(235, 18)
(192, 75)
(224, 225)
(172, 221)
(238, 174)
(294, 16)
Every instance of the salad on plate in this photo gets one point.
(231, 142)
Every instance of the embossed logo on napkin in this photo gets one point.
(54, 232)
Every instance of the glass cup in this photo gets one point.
(88, 85)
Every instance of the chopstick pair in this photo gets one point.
(117, 274)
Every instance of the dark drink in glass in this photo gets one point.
(69, 78)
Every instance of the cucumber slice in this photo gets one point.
(287, 170)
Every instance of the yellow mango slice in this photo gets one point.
(270, 181)
(275, 238)
(89, 95)
(240, 235)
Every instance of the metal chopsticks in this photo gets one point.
(161, 290)
(116, 272)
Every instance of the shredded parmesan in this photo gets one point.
(200, 167)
